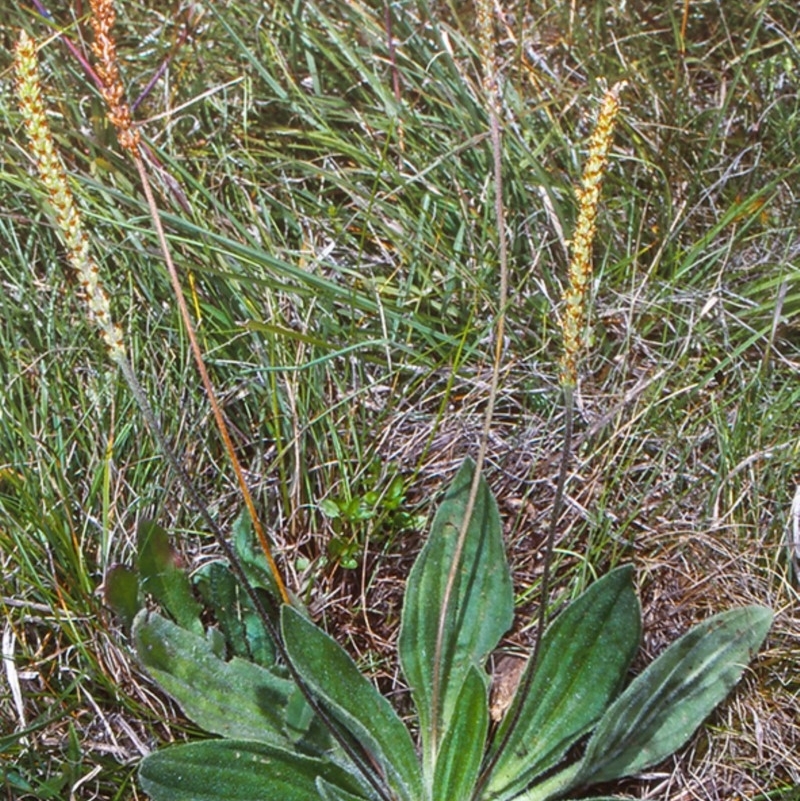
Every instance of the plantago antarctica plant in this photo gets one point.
(296, 720)
(273, 745)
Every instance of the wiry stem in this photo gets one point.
(492, 91)
(104, 48)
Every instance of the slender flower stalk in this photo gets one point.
(491, 87)
(105, 50)
(573, 322)
(54, 177)
(484, 11)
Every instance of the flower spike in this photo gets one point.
(573, 322)
(54, 177)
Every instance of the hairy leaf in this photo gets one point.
(478, 612)
(459, 759)
(244, 632)
(237, 770)
(235, 699)
(333, 676)
(254, 563)
(330, 792)
(584, 657)
(666, 703)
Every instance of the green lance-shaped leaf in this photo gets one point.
(235, 699)
(459, 760)
(243, 631)
(221, 593)
(163, 578)
(237, 770)
(583, 661)
(479, 610)
(666, 703)
(333, 677)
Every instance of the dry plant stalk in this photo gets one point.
(105, 49)
(573, 322)
(54, 177)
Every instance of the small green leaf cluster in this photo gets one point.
(349, 514)
(237, 628)
(458, 604)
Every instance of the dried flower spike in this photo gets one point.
(105, 50)
(573, 322)
(54, 178)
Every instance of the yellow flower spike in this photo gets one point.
(573, 322)
(54, 178)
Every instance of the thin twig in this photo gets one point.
(219, 417)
